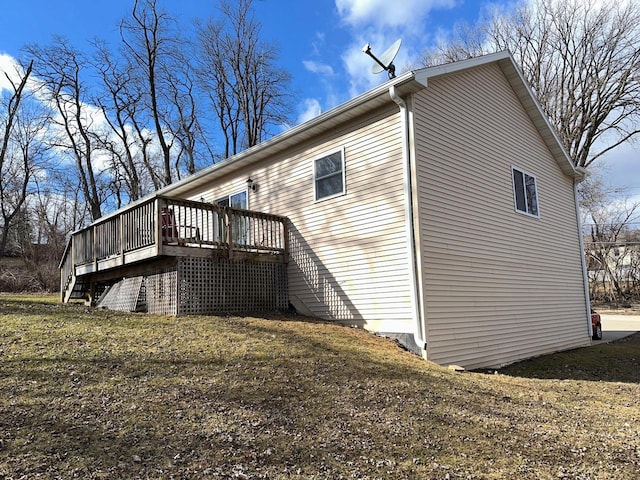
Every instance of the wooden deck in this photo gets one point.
(123, 242)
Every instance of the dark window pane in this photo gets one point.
(329, 186)
(532, 196)
(329, 175)
(518, 182)
(239, 200)
(328, 165)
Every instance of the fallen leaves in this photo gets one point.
(104, 395)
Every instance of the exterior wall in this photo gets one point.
(348, 254)
(498, 286)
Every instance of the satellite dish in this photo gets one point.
(385, 62)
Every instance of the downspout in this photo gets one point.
(419, 334)
(585, 277)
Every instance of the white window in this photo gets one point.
(525, 192)
(328, 175)
(239, 224)
(237, 200)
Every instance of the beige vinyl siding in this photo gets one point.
(499, 286)
(349, 254)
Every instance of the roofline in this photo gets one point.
(524, 92)
(406, 83)
(423, 75)
(403, 83)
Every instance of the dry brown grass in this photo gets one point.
(96, 394)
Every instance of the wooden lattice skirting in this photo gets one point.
(203, 285)
(123, 295)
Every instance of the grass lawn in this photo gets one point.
(98, 394)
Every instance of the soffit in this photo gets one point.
(404, 84)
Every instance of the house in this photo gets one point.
(438, 208)
(613, 262)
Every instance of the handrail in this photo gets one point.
(130, 230)
(66, 268)
(226, 227)
(164, 221)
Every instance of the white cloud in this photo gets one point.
(92, 116)
(380, 23)
(358, 67)
(311, 108)
(317, 67)
(10, 67)
(317, 45)
(388, 13)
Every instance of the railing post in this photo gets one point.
(73, 256)
(122, 237)
(73, 263)
(285, 233)
(229, 232)
(95, 248)
(158, 217)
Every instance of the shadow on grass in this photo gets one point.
(266, 394)
(617, 361)
(95, 394)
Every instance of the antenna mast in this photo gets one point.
(385, 62)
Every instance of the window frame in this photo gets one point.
(342, 172)
(228, 198)
(239, 225)
(525, 174)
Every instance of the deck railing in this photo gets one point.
(158, 225)
(66, 268)
(214, 226)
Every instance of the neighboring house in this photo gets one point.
(438, 209)
(613, 264)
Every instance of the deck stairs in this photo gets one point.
(76, 289)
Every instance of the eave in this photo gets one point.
(526, 96)
(327, 121)
(405, 84)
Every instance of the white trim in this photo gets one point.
(583, 260)
(515, 198)
(228, 197)
(343, 171)
(415, 282)
(423, 75)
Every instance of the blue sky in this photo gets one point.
(320, 42)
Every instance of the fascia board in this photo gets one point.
(326, 121)
(526, 96)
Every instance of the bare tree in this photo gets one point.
(217, 83)
(185, 124)
(59, 67)
(248, 92)
(49, 221)
(16, 160)
(612, 243)
(132, 173)
(150, 43)
(582, 59)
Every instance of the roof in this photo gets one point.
(404, 84)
